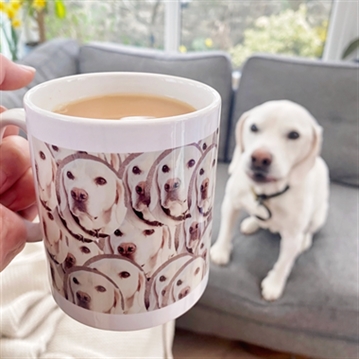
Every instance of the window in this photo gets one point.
(240, 27)
(244, 27)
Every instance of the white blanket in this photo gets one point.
(33, 326)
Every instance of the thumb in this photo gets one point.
(14, 76)
(13, 235)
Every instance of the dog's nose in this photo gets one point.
(184, 292)
(83, 297)
(204, 188)
(79, 195)
(141, 192)
(70, 261)
(126, 249)
(140, 188)
(261, 159)
(172, 184)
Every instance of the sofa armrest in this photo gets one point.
(53, 59)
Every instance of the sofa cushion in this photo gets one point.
(212, 68)
(318, 312)
(328, 90)
(53, 59)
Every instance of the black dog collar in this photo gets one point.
(260, 198)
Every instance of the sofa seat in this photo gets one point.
(319, 308)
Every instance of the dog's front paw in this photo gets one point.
(220, 254)
(272, 286)
(249, 225)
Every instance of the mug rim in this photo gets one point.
(28, 102)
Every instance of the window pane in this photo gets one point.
(245, 27)
(130, 22)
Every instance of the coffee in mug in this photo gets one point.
(125, 206)
(117, 106)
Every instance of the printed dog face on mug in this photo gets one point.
(122, 230)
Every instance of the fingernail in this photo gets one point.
(27, 68)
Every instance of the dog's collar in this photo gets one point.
(260, 198)
(94, 233)
(182, 217)
(150, 223)
(79, 236)
(45, 206)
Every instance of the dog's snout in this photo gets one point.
(83, 298)
(142, 197)
(172, 184)
(140, 188)
(126, 249)
(204, 188)
(261, 159)
(184, 292)
(79, 195)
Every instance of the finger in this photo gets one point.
(14, 76)
(15, 161)
(10, 130)
(21, 194)
(29, 213)
(13, 236)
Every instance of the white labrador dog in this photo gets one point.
(169, 189)
(277, 176)
(129, 278)
(94, 291)
(89, 190)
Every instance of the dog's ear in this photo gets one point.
(51, 191)
(117, 304)
(300, 169)
(239, 149)
(166, 242)
(62, 194)
(140, 293)
(154, 192)
(120, 208)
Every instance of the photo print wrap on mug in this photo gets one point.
(126, 233)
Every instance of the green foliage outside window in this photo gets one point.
(287, 33)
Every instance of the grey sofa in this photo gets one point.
(318, 314)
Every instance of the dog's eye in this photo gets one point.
(191, 163)
(204, 146)
(196, 271)
(136, 170)
(70, 175)
(118, 233)
(165, 169)
(74, 279)
(85, 250)
(162, 278)
(213, 163)
(55, 148)
(201, 171)
(179, 282)
(100, 181)
(124, 274)
(148, 232)
(50, 215)
(293, 135)
(100, 288)
(254, 128)
(42, 155)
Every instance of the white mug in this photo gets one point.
(122, 255)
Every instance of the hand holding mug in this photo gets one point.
(17, 194)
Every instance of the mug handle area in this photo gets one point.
(16, 117)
